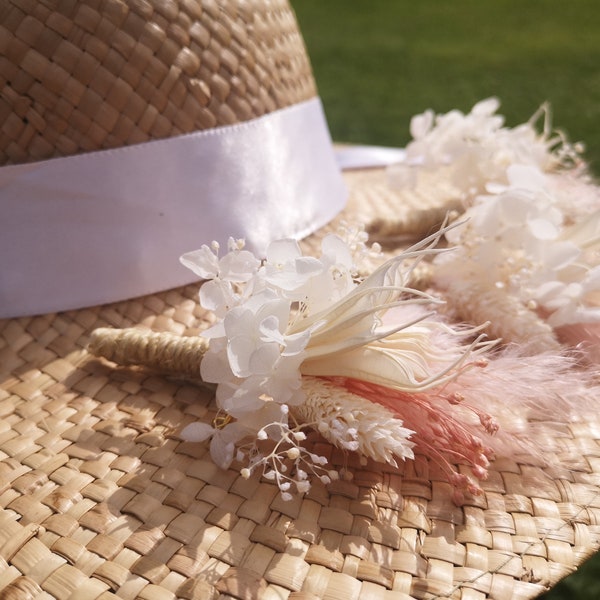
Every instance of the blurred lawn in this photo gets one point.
(377, 63)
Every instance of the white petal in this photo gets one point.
(336, 251)
(221, 451)
(526, 176)
(548, 291)
(240, 321)
(243, 399)
(270, 330)
(202, 262)
(278, 308)
(421, 124)
(306, 266)
(197, 432)
(239, 351)
(282, 251)
(214, 295)
(560, 254)
(238, 266)
(285, 277)
(486, 107)
(262, 360)
(214, 368)
(542, 229)
(295, 344)
(214, 331)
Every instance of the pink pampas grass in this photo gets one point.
(583, 336)
(510, 405)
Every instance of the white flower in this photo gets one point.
(238, 266)
(337, 276)
(475, 150)
(313, 282)
(519, 243)
(223, 441)
(286, 268)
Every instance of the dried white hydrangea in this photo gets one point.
(522, 264)
(475, 149)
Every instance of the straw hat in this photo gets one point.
(100, 497)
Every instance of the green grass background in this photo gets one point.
(379, 62)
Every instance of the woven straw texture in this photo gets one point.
(99, 499)
(86, 75)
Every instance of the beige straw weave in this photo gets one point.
(95, 74)
(99, 499)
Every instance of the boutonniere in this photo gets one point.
(367, 361)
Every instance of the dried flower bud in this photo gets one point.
(293, 453)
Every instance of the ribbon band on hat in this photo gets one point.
(109, 225)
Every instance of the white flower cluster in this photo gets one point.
(475, 149)
(259, 343)
(528, 258)
(267, 312)
(518, 243)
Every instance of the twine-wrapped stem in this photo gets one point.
(162, 351)
(345, 419)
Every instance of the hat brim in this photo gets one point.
(100, 498)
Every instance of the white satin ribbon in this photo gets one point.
(110, 225)
(368, 157)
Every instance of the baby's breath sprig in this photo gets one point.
(287, 463)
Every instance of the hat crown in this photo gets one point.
(84, 76)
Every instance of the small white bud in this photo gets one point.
(293, 453)
(302, 486)
(323, 427)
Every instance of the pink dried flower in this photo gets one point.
(442, 436)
